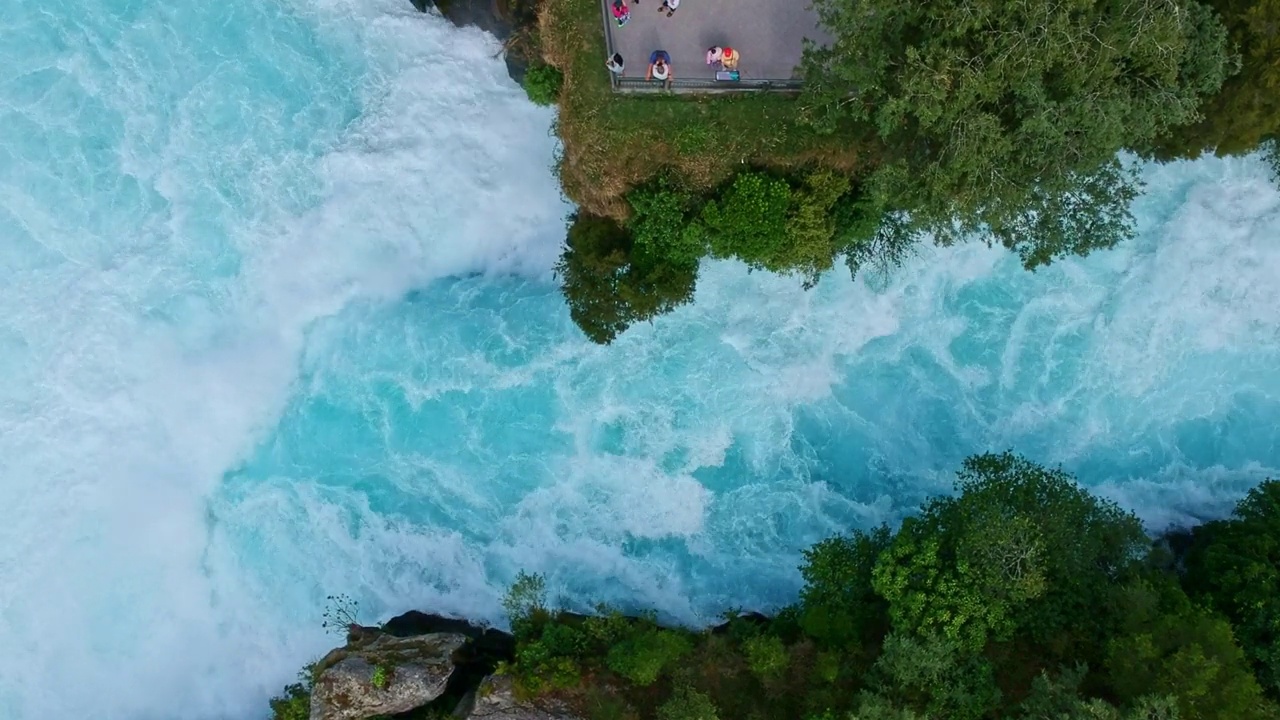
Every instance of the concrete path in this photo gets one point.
(769, 34)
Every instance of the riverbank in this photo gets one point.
(1021, 593)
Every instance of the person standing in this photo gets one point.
(670, 6)
(621, 12)
(615, 64)
(660, 68)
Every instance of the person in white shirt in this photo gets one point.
(670, 6)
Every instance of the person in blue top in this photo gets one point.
(660, 68)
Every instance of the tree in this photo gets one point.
(1020, 547)
(1004, 118)
(1234, 564)
(1057, 697)
(838, 604)
(930, 676)
(1169, 647)
(1246, 111)
(609, 285)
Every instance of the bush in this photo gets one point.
(609, 285)
(749, 221)
(293, 704)
(838, 604)
(643, 657)
(542, 84)
(767, 656)
(660, 223)
(525, 602)
(688, 704)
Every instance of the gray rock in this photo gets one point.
(414, 671)
(495, 699)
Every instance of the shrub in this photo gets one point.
(660, 223)
(688, 704)
(767, 656)
(525, 600)
(838, 604)
(749, 221)
(293, 704)
(380, 677)
(642, 657)
(810, 226)
(608, 287)
(542, 84)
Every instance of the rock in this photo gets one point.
(507, 20)
(414, 671)
(495, 699)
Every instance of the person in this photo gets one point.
(660, 68)
(714, 54)
(621, 12)
(614, 64)
(670, 6)
(729, 59)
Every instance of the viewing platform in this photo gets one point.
(768, 34)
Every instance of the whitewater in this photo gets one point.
(278, 320)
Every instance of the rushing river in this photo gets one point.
(277, 320)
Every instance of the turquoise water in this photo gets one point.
(278, 321)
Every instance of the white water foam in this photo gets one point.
(217, 403)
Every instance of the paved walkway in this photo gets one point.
(769, 34)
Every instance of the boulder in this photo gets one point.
(495, 699)
(381, 674)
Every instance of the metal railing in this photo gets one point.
(635, 84)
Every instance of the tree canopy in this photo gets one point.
(1006, 117)
(1246, 111)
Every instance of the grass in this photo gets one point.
(614, 141)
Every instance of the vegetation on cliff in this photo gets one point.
(1022, 596)
(939, 121)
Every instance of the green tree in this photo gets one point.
(609, 285)
(687, 703)
(644, 656)
(1246, 111)
(838, 604)
(1235, 565)
(749, 221)
(542, 84)
(1004, 118)
(1172, 648)
(1021, 546)
(1057, 697)
(930, 676)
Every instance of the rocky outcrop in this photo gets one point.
(377, 673)
(496, 699)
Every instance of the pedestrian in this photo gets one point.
(670, 6)
(621, 12)
(660, 68)
(615, 64)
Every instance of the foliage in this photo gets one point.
(1172, 648)
(340, 613)
(643, 657)
(934, 677)
(525, 599)
(293, 704)
(1021, 546)
(542, 84)
(766, 656)
(749, 220)
(380, 677)
(660, 223)
(810, 227)
(609, 287)
(1246, 111)
(1005, 118)
(1021, 597)
(688, 704)
(1234, 564)
(838, 604)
